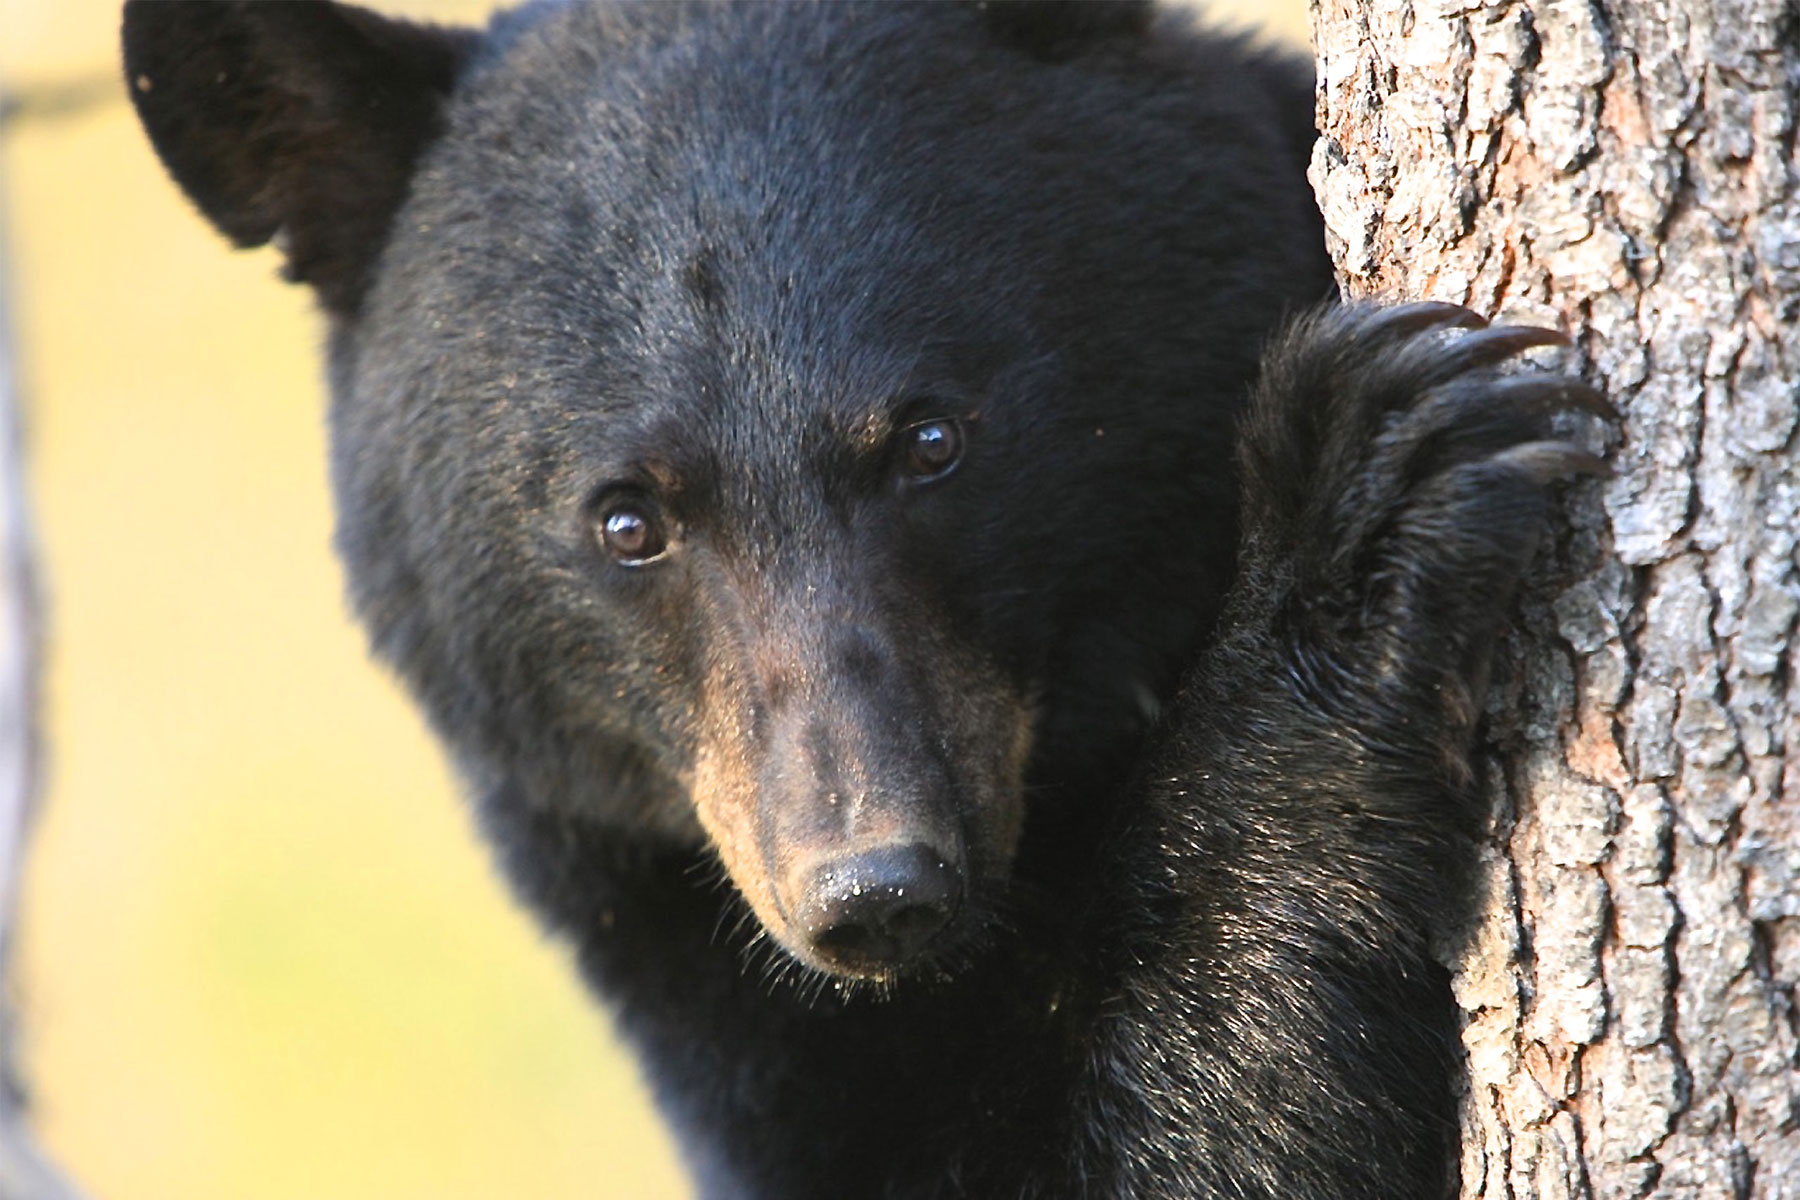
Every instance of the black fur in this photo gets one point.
(713, 263)
(298, 120)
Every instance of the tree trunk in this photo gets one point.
(24, 1173)
(1626, 170)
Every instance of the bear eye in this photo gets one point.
(931, 449)
(630, 532)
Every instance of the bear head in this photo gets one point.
(805, 432)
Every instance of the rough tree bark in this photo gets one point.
(1626, 170)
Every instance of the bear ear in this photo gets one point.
(1056, 29)
(299, 122)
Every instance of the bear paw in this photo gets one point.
(1395, 488)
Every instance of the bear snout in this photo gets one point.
(862, 834)
(874, 910)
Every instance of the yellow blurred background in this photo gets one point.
(262, 956)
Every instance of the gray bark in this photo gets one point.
(1625, 170)
(24, 1172)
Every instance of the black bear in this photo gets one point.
(991, 713)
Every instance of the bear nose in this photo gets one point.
(881, 906)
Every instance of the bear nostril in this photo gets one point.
(916, 924)
(880, 907)
(891, 938)
(849, 940)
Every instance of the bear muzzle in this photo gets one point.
(862, 835)
(860, 775)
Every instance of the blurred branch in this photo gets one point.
(61, 98)
(25, 1174)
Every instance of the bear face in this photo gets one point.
(762, 483)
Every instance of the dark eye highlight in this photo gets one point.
(930, 450)
(631, 531)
